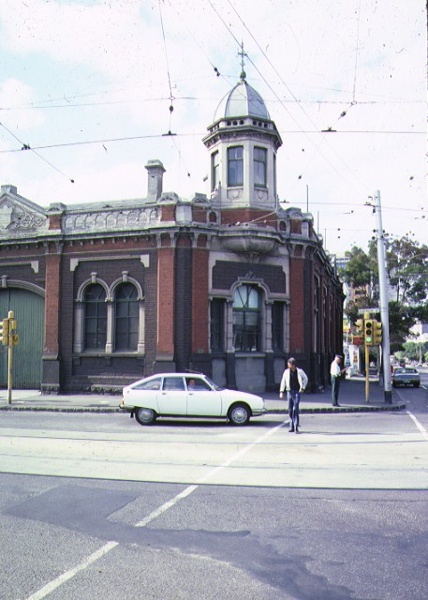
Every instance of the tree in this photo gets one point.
(415, 350)
(359, 274)
(400, 323)
(407, 268)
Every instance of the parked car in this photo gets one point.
(406, 376)
(188, 395)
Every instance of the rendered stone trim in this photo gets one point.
(144, 259)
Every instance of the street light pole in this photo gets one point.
(383, 303)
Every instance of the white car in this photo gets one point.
(188, 395)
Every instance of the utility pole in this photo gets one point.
(383, 303)
(367, 355)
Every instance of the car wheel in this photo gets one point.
(145, 416)
(239, 414)
(416, 385)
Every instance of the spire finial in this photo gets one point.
(242, 53)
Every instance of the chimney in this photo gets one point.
(154, 188)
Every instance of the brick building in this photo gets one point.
(228, 283)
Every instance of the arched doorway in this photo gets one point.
(27, 358)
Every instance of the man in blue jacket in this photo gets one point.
(294, 382)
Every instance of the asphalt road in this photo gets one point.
(94, 506)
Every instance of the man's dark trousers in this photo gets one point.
(293, 408)
(335, 384)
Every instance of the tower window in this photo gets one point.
(235, 166)
(214, 171)
(260, 163)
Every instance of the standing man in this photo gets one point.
(335, 376)
(294, 382)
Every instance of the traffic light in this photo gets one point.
(368, 332)
(4, 331)
(360, 325)
(377, 332)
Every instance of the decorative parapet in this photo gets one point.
(110, 221)
(19, 219)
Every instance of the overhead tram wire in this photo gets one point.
(201, 48)
(25, 146)
(177, 135)
(84, 143)
(354, 87)
(317, 148)
(171, 96)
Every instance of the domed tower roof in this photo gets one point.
(242, 101)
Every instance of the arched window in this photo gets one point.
(126, 317)
(95, 317)
(247, 319)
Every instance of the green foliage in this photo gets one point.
(415, 350)
(359, 270)
(360, 274)
(407, 268)
(400, 323)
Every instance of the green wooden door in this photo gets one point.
(27, 355)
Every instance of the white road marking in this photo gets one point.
(54, 584)
(64, 577)
(418, 424)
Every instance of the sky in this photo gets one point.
(91, 90)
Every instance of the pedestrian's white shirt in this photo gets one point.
(285, 381)
(334, 369)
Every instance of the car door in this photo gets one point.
(172, 397)
(202, 400)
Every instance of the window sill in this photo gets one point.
(249, 354)
(95, 354)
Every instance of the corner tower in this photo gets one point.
(243, 141)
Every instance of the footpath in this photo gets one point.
(351, 399)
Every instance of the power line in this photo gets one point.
(317, 147)
(28, 147)
(171, 97)
(87, 142)
(178, 135)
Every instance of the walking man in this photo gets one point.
(335, 376)
(294, 382)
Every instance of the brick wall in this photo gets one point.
(225, 274)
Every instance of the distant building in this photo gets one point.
(230, 284)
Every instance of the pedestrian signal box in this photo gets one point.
(368, 332)
(377, 333)
(360, 325)
(4, 332)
